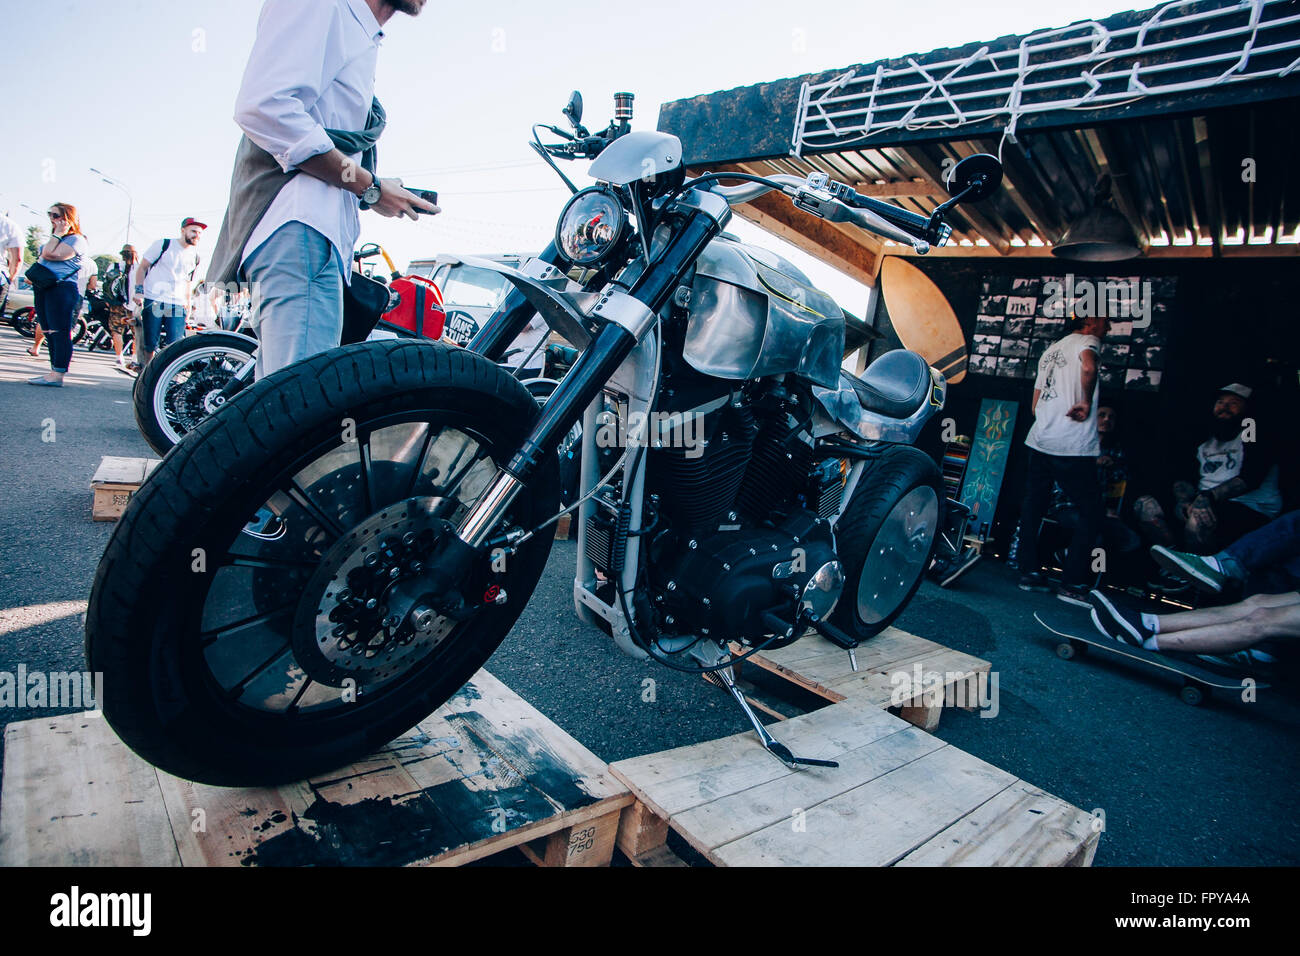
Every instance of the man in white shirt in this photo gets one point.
(11, 247)
(164, 285)
(309, 81)
(1063, 448)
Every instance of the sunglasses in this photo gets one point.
(54, 215)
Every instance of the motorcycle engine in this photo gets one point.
(727, 585)
(747, 515)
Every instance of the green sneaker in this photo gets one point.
(1192, 567)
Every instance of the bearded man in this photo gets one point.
(1236, 488)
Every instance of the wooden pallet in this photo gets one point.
(487, 772)
(899, 797)
(114, 482)
(895, 669)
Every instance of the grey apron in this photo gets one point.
(257, 179)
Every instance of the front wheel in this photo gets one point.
(24, 321)
(183, 385)
(262, 611)
(885, 539)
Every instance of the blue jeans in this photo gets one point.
(1268, 558)
(297, 288)
(153, 316)
(56, 310)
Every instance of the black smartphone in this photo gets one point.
(428, 195)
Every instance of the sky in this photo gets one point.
(144, 90)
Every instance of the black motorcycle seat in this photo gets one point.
(896, 384)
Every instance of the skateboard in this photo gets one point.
(1080, 636)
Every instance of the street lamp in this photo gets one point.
(130, 202)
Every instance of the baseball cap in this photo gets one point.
(194, 222)
(1236, 388)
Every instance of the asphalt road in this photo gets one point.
(1178, 785)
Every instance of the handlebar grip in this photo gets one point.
(912, 222)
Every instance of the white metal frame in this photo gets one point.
(1109, 68)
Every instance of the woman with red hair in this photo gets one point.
(56, 305)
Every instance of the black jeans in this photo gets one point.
(1077, 476)
(56, 309)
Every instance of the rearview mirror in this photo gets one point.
(573, 109)
(975, 178)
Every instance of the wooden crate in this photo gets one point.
(487, 772)
(887, 673)
(899, 797)
(114, 482)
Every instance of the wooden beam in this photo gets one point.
(1210, 186)
(1027, 192)
(1275, 250)
(819, 239)
(917, 189)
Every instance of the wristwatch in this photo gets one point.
(372, 192)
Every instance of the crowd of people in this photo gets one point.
(305, 166)
(145, 294)
(1220, 527)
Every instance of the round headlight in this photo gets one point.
(591, 226)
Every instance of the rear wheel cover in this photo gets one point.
(898, 555)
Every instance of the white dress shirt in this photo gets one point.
(312, 68)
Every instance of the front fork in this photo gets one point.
(627, 320)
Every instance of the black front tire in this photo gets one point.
(172, 641)
(886, 539)
(154, 388)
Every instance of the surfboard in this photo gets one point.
(923, 318)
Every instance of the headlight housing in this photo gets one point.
(592, 226)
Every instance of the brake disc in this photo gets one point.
(361, 615)
(199, 396)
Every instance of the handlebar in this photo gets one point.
(836, 202)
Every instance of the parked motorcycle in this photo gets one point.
(99, 335)
(351, 538)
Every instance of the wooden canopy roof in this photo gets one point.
(1192, 109)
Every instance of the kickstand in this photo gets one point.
(771, 744)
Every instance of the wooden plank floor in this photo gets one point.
(485, 773)
(895, 668)
(899, 796)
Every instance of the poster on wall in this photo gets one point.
(988, 461)
(1019, 317)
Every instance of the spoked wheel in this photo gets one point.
(183, 385)
(886, 538)
(24, 321)
(263, 611)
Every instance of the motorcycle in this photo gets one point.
(346, 542)
(98, 328)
